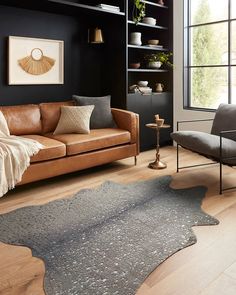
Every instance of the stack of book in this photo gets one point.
(109, 7)
(138, 89)
(145, 90)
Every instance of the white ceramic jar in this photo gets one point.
(135, 38)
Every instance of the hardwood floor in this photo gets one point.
(206, 268)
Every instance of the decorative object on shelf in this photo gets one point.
(140, 89)
(135, 65)
(35, 61)
(109, 7)
(149, 21)
(95, 36)
(153, 42)
(143, 83)
(154, 64)
(161, 2)
(139, 9)
(158, 125)
(159, 87)
(155, 60)
(135, 38)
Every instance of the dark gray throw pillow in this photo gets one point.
(101, 116)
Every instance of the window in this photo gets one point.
(210, 53)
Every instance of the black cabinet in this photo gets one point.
(147, 106)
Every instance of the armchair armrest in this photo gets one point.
(222, 133)
(128, 121)
(227, 132)
(192, 121)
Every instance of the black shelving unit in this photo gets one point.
(147, 25)
(147, 47)
(86, 7)
(147, 70)
(156, 103)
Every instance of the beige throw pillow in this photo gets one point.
(74, 119)
(4, 130)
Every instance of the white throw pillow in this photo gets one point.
(3, 125)
(74, 119)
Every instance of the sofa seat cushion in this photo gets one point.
(206, 144)
(52, 149)
(95, 140)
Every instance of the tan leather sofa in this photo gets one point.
(66, 153)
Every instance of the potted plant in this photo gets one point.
(138, 10)
(156, 60)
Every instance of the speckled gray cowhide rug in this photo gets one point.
(107, 240)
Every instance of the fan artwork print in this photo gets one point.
(35, 61)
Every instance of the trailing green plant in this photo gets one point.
(162, 57)
(139, 9)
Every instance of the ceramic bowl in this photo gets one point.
(135, 65)
(149, 20)
(143, 83)
(153, 42)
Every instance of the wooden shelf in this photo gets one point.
(154, 4)
(147, 47)
(147, 25)
(152, 93)
(148, 70)
(88, 7)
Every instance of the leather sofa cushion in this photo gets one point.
(52, 149)
(23, 119)
(50, 114)
(97, 139)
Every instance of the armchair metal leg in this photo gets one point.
(221, 179)
(177, 158)
(221, 176)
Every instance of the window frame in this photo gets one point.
(187, 53)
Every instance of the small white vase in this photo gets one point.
(154, 64)
(135, 38)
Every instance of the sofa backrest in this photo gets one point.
(225, 119)
(50, 114)
(23, 119)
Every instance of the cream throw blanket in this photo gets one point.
(15, 153)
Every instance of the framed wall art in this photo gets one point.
(35, 61)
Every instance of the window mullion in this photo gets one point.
(229, 54)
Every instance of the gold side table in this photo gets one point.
(157, 164)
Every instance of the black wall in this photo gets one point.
(82, 63)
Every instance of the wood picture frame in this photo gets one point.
(33, 61)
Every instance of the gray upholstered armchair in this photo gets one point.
(219, 145)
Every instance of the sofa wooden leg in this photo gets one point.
(135, 160)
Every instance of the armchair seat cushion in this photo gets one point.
(95, 140)
(206, 144)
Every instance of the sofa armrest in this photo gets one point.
(128, 121)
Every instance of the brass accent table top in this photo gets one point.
(154, 126)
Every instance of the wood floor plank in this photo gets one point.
(222, 285)
(198, 269)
